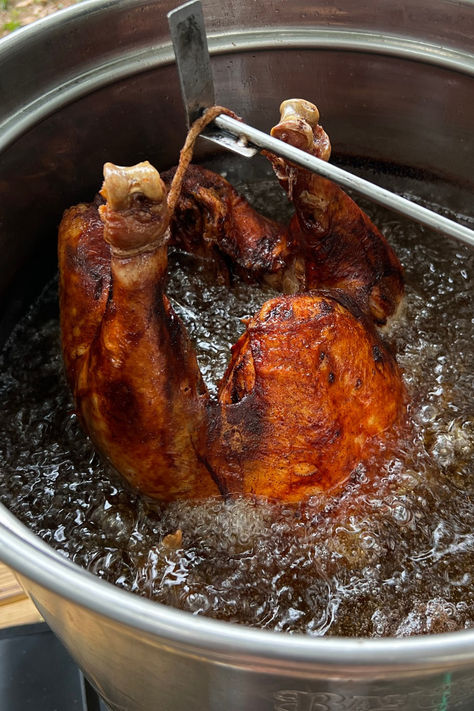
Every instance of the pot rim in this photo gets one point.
(39, 563)
(46, 99)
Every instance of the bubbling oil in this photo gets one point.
(392, 557)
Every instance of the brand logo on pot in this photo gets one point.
(292, 700)
(431, 695)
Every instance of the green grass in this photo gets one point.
(10, 26)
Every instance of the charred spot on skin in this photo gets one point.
(322, 356)
(331, 378)
(121, 400)
(281, 311)
(326, 307)
(376, 354)
(134, 337)
(239, 389)
(358, 384)
(98, 289)
(249, 417)
(235, 395)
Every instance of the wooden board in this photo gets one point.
(16, 607)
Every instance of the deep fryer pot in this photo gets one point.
(96, 82)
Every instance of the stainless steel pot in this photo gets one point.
(394, 81)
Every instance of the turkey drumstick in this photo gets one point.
(334, 241)
(137, 385)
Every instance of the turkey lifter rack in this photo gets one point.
(188, 34)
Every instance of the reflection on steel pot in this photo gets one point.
(96, 83)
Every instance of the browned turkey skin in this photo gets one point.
(309, 386)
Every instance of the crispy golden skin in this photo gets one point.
(309, 385)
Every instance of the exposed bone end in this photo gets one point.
(299, 108)
(121, 182)
(299, 126)
(297, 120)
(136, 215)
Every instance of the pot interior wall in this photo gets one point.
(384, 108)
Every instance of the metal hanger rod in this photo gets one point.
(188, 33)
(348, 180)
